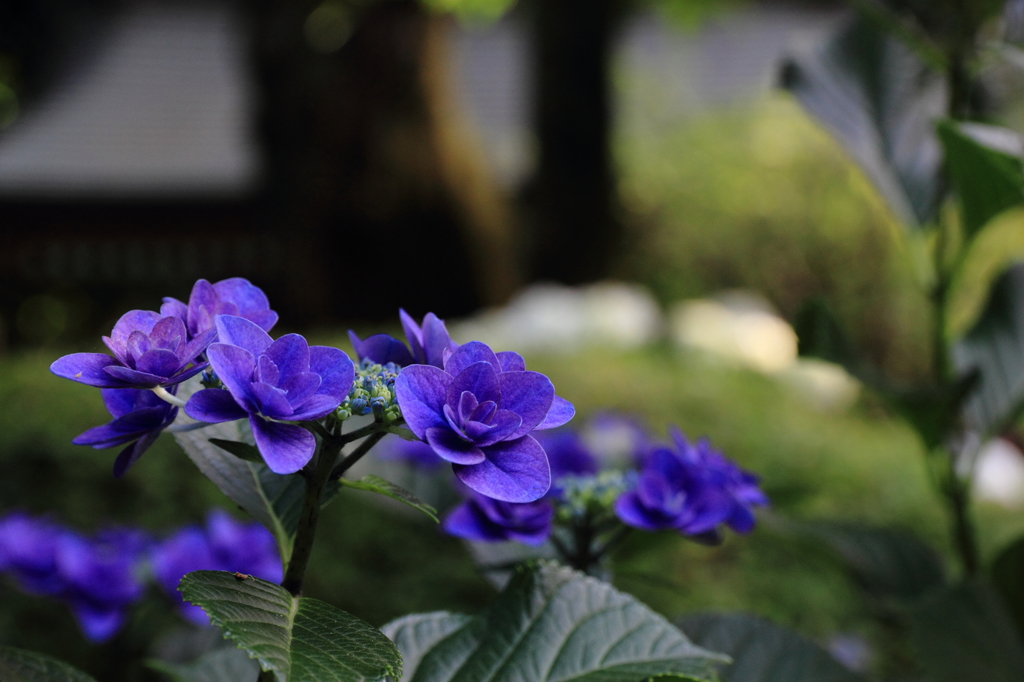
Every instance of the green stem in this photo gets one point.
(318, 473)
(963, 529)
(357, 454)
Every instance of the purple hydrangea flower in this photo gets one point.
(139, 418)
(224, 545)
(101, 577)
(690, 488)
(478, 412)
(270, 382)
(427, 344)
(28, 548)
(150, 350)
(235, 296)
(568, 455)
(415, 453)
(483, 519)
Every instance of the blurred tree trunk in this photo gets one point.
(385, 202)
(573, 227)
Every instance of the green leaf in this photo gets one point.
(249, 453)
(550, 623)
(762, 651)
(888, 563)
(376, 484)
(878, 99)
(964, 633)
(220, 665)
(987, 180)
(17, 665)
(1008, 577)
(300, 639)
(994, 350)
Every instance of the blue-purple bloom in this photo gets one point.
(101, 577)
(690, 488)
(150, 350)
(139, 418)
(483, 519)
(28, 549)
(235, 296)
(223, 545)
(271, 382)
(427, 344)
(567, 454)
(478, 412)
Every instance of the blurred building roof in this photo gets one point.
(160, 105)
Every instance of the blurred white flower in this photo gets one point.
(999, 474)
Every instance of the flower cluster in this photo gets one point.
(373, 392)
(689, 488)
(156, 350)
(427, 343)
(100, 576)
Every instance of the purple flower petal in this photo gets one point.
(286, 448)
(480, 379)
(133, 378)
(561, 412)
(514, 471)
(420, 390)
(290, 353)
(449, 446)
(214, 405)
(240, 332)
(169, 333)
(136, 346)
(299, 388)
(467, 522)
(270, 401)
(504, 424)
(121, 401)
(250, 300)
(528, 394)
(415, 336)
(159, 362)
(267, 371)
(234, 367)
(435, 340)
(468, 353)
(98, 624)
(335, 369)
(382, 349)
(87, 368)
(629, 509)
(133, 320)
(198, 345)
(511, 361)
(172, 307)
(130, 455)
(317, 406)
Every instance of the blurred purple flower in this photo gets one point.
(415, 453)
(28, 548)
(427, 344)
(690, 488)
(269, 382)
(483, 519)
(478, 413)
(235, 296)
(567, 454)
(101, 577)
(139, 418)
(150, 350)
(223, 545)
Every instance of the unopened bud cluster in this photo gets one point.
(589, 494)
(372, 393)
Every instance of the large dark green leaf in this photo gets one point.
(888, 563)
(994, 350)
(17, 665)
(964, 633)
(988, 181)
(762, 651)
(878, 99)
(300, 639)
(550, 624)
(1008, 578)
(224, 664)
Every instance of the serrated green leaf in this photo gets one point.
(300, 639)
(249, 453)
(18, 665)
(1008, 578)
(224, 664)
(994, 349)
(878, 99)
(888, 563)
(762, 651)
(964, 633)
(376, 484)
(988, 181)
(551, 624)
